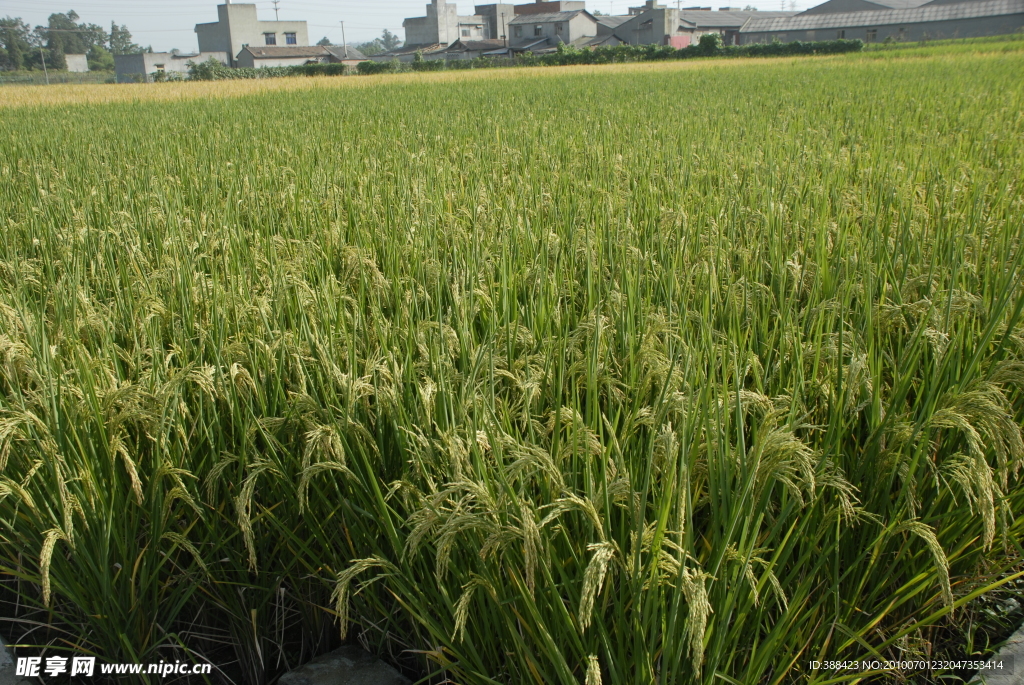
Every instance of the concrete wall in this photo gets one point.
(650, 27)
(471, 28)
(441, 25)
(420, 31)
(245, 59)
(932, 30)
(77, 63)
(581, 26)
(239, 26)
(496, 17)
(142, 66)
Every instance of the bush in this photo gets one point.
(366, 68)
(710, 43)
(321, 70)
(210, 70)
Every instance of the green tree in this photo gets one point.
(63, 32)
(121, 41)
(100, 59)
(386, 41)
(389, 40)
(324, 41)
(15, 36)
(371, 48)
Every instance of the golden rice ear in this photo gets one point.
(462, 606)
(593, 579)
(343, 585)
(45, 557)
(924, 532)
(699, 606)
(593, 670)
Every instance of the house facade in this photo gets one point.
(238, 27)
(536, 31)
(146, 66)
(255, 57)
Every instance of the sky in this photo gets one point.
(168, 24)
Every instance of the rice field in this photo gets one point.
(676, 374)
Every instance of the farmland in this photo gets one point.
(682, 373)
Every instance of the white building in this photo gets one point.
(239, 28)
(77, 63)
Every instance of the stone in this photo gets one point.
(345, 666)
(7, 669)
(1012, 658)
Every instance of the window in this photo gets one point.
(559, 27)
(840, 35)
(159, 68)
(289, 39)
(518, 32)
(872, 35)
(538, 30)
(270, 38)
(465, 33)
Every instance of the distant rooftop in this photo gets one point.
(283, 51)
(545, 17)
(914, 15)
(612, 22)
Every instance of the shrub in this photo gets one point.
(372, 67)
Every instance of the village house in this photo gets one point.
(238, 27)
(540, 32)
(655, 24)
(873, 21)
(149, 66)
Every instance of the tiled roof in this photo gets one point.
(340, 52)
(531, 44)
(612, 22)
(720, 20)
(546, 17)
(411, 50)
(283, 51)
(473, 45)
(596, 41)
(916, 15)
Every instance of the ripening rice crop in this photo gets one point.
(654, 374)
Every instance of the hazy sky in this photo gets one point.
(170, 23)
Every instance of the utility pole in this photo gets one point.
(45, 73)
(343, 41)
(276, 16)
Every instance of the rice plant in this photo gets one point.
(654, 374)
